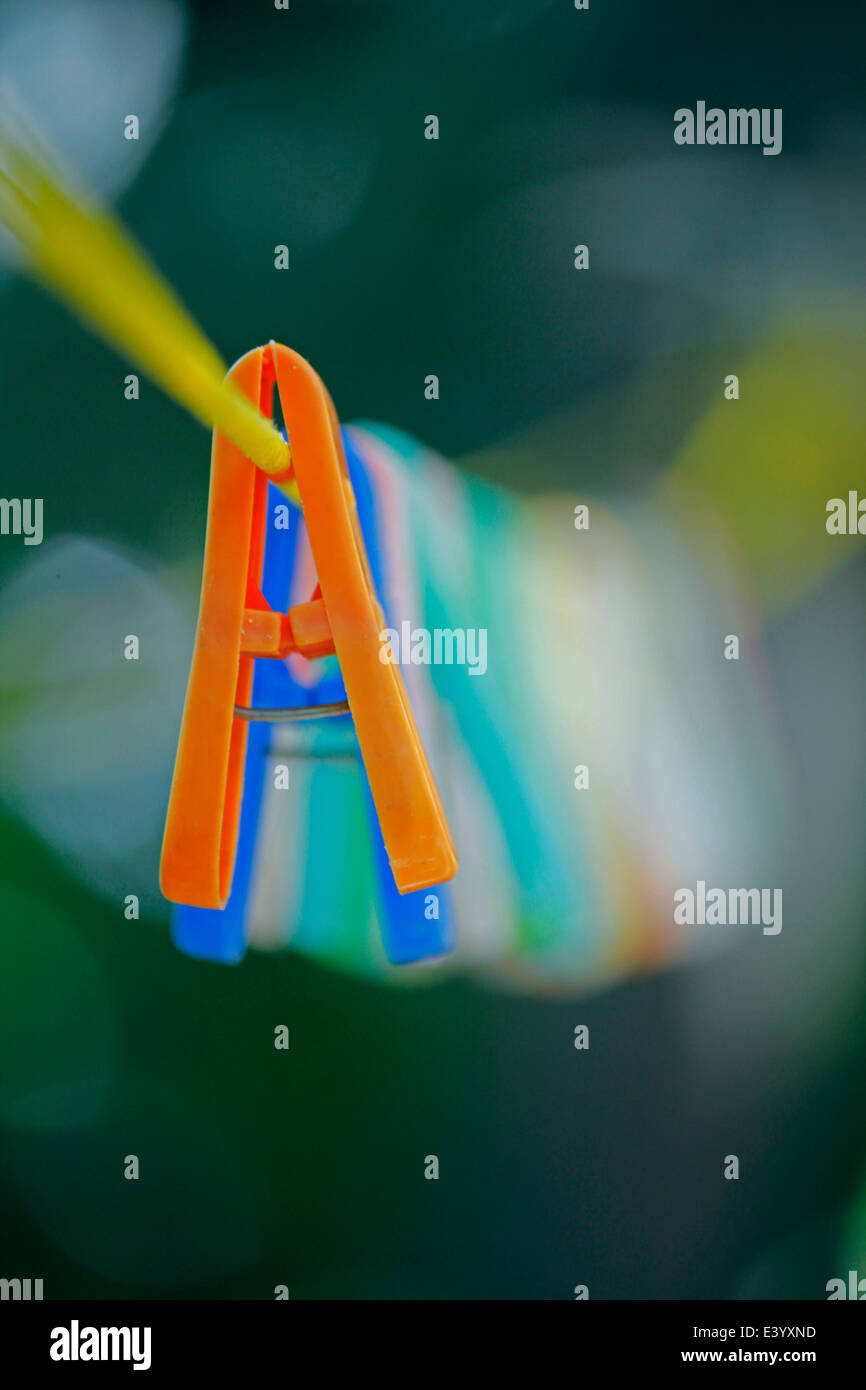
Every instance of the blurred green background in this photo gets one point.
(305, 1168)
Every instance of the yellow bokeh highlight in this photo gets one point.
(761, 469)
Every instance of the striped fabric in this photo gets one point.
(600, 647)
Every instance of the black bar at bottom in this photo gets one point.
(161, 1338)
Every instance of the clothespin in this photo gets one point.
(237, 627)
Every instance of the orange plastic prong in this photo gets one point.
(201, 828)
(265, 633)
(414, 829)
(310, 631)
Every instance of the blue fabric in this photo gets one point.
(407, 933)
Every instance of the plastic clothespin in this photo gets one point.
(410, 930)
(236, 626)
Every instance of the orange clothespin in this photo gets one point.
(236, 626)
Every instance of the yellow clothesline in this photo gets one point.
(78, 251)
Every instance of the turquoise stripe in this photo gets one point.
(498, 712)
